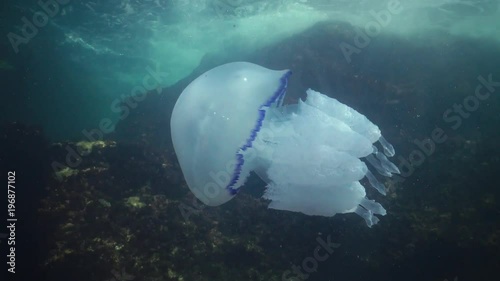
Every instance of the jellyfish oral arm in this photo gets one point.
(313, 159)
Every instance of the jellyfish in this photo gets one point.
(231, 121)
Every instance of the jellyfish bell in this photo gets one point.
(231, 121)
(214, 118)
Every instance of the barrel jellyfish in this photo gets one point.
(231, 121)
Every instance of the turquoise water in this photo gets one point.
(109, 45)
(102, 196)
